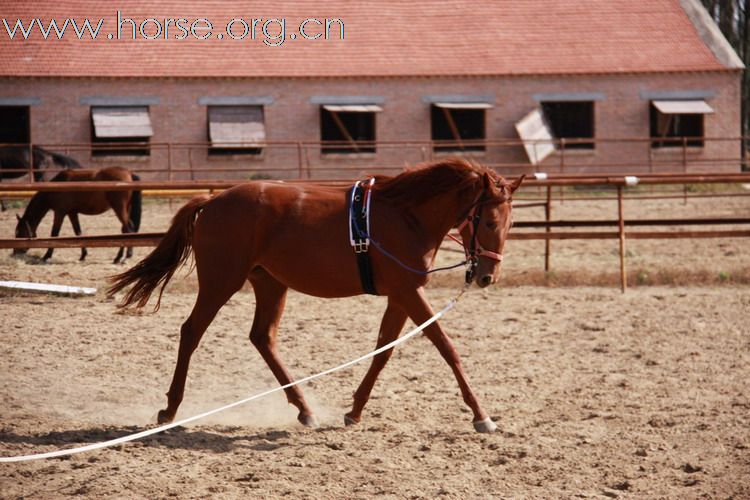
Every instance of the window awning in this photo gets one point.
(353, 108)
(536, 135)
(691, 107)
(236, 126)
(463, 105)
(121, 121)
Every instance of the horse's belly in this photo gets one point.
(317, 275)
(92, 205)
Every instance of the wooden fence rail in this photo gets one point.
(620, 182)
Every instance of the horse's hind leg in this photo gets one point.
(77, 230)
(119, 205)
(270, 297)
(129, 250)
(210, 300)
(420, 311)
(390, 327)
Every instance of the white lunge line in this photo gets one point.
(156, 430)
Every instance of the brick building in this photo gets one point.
(348, 86)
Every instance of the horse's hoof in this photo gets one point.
(163, 417)
(486, 425)
(349, 421)
(309, 420)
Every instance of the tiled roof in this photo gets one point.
(382, 38)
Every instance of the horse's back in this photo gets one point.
(297, 233)
(87, 174)
(89, 202)
(74, 175)
(113, 174)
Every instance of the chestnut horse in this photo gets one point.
(279, 236)
(126, 205)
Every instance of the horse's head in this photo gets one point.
(486, 227)
(23, 230)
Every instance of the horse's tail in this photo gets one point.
(158, 267)
(136, 205)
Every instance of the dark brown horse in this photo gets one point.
(14, 163)
(279, 236)
(126, 205)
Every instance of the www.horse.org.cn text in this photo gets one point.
(272, 32)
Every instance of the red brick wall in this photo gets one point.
(623, 113)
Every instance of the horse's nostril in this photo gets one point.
(486, 280)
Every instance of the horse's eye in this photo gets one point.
(491, 224)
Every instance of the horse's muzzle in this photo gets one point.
(485, 281)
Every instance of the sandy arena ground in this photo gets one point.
(596, 393)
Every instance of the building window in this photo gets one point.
(14, 125)
(120, 131)
(458, 126)
(674, 123)
(348, 129)
(236, 130)
(571, 120)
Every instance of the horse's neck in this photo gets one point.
(36, 209)
(438, 216)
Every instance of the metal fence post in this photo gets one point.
(547, 216)
(621, 221)
(684, 169)
(169, 161)
(562, 168)
(31, 162)
(299, 161)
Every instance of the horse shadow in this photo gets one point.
(33, 260)
(222, 441)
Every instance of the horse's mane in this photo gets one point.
(427, 180)
(60, 159)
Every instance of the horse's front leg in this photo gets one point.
(77, 230)
(56, 225)
(390, 327)
(419, 311)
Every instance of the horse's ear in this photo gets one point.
(487, 181)
(516, 183)
(18, 217)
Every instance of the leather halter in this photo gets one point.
(473, 249)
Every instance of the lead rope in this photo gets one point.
(156, 430)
